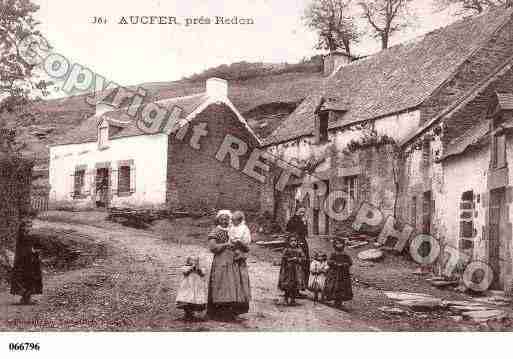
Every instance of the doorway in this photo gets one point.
(496, 216)
(102, 181)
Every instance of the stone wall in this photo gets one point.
(197, 179)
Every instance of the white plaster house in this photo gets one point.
(109, 161)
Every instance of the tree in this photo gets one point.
(335, 26)
(386, 17)
(18, 78)
(472, 6)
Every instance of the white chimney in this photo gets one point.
(334, 61)
(102, 107)
(217, 88)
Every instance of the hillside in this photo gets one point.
(263, 97)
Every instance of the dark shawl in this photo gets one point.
(26, 273)
(338, 279)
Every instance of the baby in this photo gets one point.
(240, 236)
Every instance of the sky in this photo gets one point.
(133, 54)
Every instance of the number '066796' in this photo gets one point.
(23, 346)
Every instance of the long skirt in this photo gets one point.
(338, 284)
(26, 275)
(228, 289)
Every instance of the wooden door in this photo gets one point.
(496, 213)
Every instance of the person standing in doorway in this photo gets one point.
(297, 226)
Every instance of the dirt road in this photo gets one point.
(133, 288)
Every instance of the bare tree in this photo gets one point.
(334, 24)
(472, 6)
(386, 17)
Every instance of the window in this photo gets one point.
(79, 183)
(426, 153)
(103, 135)
(499, 151)
(124, 179)
(428, 209)
(323, 126)
(467, 220)
(351, 188)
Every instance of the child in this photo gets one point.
(291, 279)
(240, 236)
(317, 277)
(338, 279)
(192, 294)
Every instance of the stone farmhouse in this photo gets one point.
(420, 130)
(445, 101)
(109, 161)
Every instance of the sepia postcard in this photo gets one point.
(255, 166)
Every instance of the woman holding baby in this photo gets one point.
(228, 289)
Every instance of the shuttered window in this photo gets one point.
(499, 154)
(124, 179)
(467, 220)
(79, 183)
(426, 153)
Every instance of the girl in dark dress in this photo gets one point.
(291, 279)
(298, 227)
(26, 279)
(338, 286)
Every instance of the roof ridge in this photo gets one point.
(399, 78)
(421, 37)
(181, 97)
(472, 53)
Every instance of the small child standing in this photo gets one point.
(240, 236)
(338, 279)
(291, 279)
(317, 277)
(192, 294)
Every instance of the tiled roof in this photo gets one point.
(122, 125)
(468, 139)
(505, 101)
(396, 79)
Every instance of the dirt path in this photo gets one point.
(134, 289)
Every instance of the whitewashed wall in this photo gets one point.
(463, 173)
(398, 127)
(148, 152)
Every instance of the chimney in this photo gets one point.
(333, 61)
(217, 88)
(102, 107)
